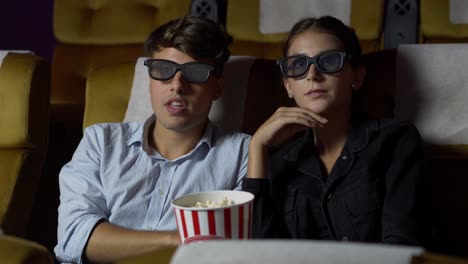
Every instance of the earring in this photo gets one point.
(353, 86)
(290, 95)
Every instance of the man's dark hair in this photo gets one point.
(330, 25)
(199, 37)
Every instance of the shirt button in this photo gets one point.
(161, 191)
(148, 227)
(345, 157)
(344, 238)
(330, 196)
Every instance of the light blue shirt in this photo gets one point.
(115, 175)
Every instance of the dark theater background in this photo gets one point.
(27, 25)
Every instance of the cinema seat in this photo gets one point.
(24, 123)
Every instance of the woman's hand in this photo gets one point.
(282, 125)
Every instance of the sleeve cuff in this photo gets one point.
(72, 250)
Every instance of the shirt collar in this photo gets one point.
(207, 135)
(361, 133)
(140, 135)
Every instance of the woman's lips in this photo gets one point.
(316, 93)
(176, 106)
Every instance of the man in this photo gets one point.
(117, 190)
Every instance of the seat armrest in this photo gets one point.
(16, 250)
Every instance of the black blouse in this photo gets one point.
(369, 195)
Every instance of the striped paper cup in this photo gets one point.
(228, 222)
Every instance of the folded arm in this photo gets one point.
(279, 128)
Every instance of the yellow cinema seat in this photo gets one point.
(24, 122)
(436, 26)
(15, 250)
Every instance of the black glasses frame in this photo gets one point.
(310, 61)
(182, 68)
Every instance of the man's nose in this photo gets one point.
(178, 83)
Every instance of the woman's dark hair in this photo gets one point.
(330, 25)
(199, 37)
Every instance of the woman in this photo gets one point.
(344, 177)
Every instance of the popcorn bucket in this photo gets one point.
(226, 222)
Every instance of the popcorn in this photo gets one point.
(210, 204)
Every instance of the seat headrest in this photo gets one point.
(458, 11)
(431, 90)
(271, 10)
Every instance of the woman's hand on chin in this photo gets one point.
(284, 124)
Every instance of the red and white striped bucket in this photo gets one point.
(230, 222)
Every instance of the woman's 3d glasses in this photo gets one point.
(193, 72)
(325, 62)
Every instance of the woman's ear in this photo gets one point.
(359, 76)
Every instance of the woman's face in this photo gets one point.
(322, 93)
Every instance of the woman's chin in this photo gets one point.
(320, 109)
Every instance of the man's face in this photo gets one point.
(180, 105)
